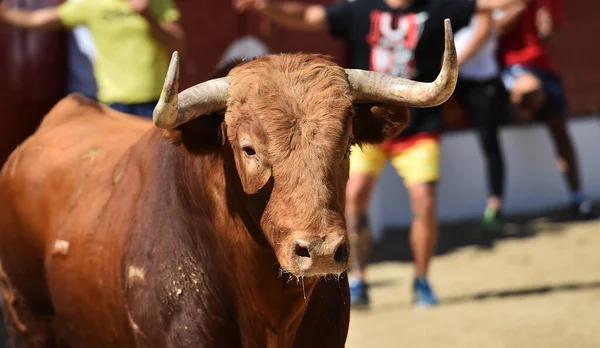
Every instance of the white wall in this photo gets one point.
(532, 181)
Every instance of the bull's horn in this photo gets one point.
(383, 88)
(174, 109)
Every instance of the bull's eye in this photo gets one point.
(248, 150)
(347, 154)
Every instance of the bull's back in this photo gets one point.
(53, 190)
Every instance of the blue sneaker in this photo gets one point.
(423, 294)
(359, 295)
(583, 210)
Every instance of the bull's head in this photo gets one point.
(289, 121)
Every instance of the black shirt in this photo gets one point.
(405, 42)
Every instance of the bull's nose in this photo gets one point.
(325, 255)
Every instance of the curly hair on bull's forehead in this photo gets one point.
(296, 98)
(307, 80)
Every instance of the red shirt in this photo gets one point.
(395, 146)
(522, 45)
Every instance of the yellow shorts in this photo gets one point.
(417, 164)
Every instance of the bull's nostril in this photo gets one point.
(341, 254)
(301, 251)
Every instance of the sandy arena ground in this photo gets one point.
(539, 287)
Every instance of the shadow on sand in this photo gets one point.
(524, 292)
(493, 294)
(394, 246)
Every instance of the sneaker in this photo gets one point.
(359, 293)
(583, 210)
(492, 219)
(423, 294)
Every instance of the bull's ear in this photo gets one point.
(201, 135)
(254, 173)
(251, 163)
(375, 123)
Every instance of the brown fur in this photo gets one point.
(179, 238)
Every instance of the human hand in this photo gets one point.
(544, 23)
(139, 6)
(4, 6)
(246, 5)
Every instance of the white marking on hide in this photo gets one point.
(136, 274)
(60, 247)
(134, 326)
(90, 154)
(117, 173)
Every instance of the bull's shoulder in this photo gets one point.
(77, 131)
(73, 106)
(76, 108)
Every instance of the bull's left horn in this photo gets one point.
(174, 109)
(383, 88)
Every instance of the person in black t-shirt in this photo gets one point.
(482, 95)
(402, 38)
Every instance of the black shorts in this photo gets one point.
(486, 102)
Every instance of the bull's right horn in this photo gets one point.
(387, 89)
(174, 109)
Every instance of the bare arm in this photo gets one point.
(547, 28)
(46, 18)
(293, 15)
(480, 36)
(509, 18)
(169, 34)
(488, 5)
(296, 15)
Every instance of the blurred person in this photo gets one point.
(133, 39)
(246, 47)
(402, 38)
(80, 54)
(535, 86)
(481, 93)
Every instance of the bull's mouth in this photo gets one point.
(315, 257)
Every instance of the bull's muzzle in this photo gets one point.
(320, 255)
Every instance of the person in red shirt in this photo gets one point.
(534, 84)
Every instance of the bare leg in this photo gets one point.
(358, 192)
(424, 228)
(533, 97)
(566, 159)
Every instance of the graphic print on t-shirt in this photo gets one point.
(393, 39)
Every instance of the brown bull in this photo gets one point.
(226, 229)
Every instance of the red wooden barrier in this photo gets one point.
(212, 24)
(32, 65)
(32, 71)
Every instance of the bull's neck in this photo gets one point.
(271, 304)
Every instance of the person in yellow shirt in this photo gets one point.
(133, 38)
